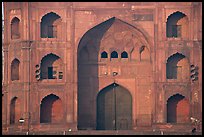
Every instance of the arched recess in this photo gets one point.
(15, 69)
(177, 67)
(144, 53)
(50, 24)
(84, 55)
(51, 67)
(178, 109)
(15, 28)
(51, 109)
(14, 110)
(114, 108)
(88, 69)
(177, 25)
(88, 73)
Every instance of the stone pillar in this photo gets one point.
(5, 66)
(26, 82)
(37, 32)
(195, 102)
(4, 108)
(74, 81)
(134, 106)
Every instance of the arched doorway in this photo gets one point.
(178, 109)
(114, 108)
(94, 66)
(51, 109)
(14, 110)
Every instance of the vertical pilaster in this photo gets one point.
(5, 53)
(26, 81)
(74, 55)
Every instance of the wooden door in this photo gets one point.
(114, 109)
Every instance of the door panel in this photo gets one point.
(109, 111)
(114, 104)
(123, 109)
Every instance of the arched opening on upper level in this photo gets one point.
(177, 67)
(177, 25)
(49, 25)
(15, 28)
(51, 67)
(15, 69)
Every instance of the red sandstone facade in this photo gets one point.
(101, 65)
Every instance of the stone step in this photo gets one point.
(106, 132)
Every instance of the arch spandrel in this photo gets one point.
(113, 32)
(122, 34)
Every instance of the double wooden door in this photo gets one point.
(114, 109)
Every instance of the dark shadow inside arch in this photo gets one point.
(50, 67)
(114, 108)
(15, 28)
(173, 29)
(15, 69)
(172, 108)
(88, 74)
(87, 57)
(172, 67)
(48, 25)
(13, 111)
(51, 109)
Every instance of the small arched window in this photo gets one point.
(15, 69)
(104, 54)
(124, 54)
(15, 34)
(114, 54)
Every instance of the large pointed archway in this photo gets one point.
(114, 108)
(112, 46)
(88, 82)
